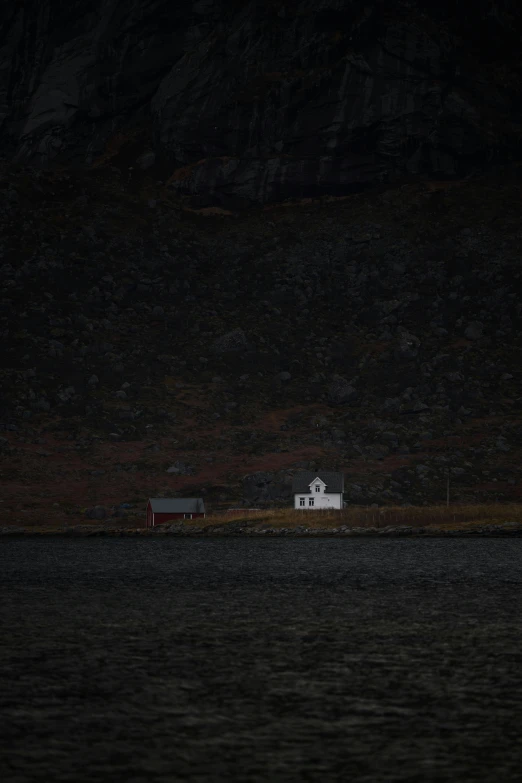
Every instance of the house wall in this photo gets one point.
(159, 519)
(321, 500)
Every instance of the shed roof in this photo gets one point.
(177, 505)
(302, 480)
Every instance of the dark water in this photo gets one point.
(258, 660)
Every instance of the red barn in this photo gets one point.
(161, 510)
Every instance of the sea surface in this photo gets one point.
(251, 660)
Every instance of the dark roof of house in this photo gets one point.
(177, 505)
(302, 480)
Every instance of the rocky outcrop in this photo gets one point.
(232, 341)
(267, 488)
(249, 102)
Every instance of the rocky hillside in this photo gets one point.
(238, 102)
(239, 238)
(148, 348)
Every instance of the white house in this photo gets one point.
(322, 489)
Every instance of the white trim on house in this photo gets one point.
(317, 486)
(324, 500)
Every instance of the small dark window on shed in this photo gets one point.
(187, 516)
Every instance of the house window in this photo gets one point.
(301, 501)
(317, 488)
(187, 516)
(310, 501)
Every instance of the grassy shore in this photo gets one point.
(429, 519)
(442, 516)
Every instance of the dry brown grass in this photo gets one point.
(360, 516)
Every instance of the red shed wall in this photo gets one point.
(160, 518)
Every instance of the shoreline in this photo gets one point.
(236, 530)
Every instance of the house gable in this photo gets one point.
(317, 486)
(304, 479)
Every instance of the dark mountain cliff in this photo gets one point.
(246, 102)
(237, 239)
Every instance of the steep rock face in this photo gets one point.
(253, 102)
(325, 97)
(74, 76)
